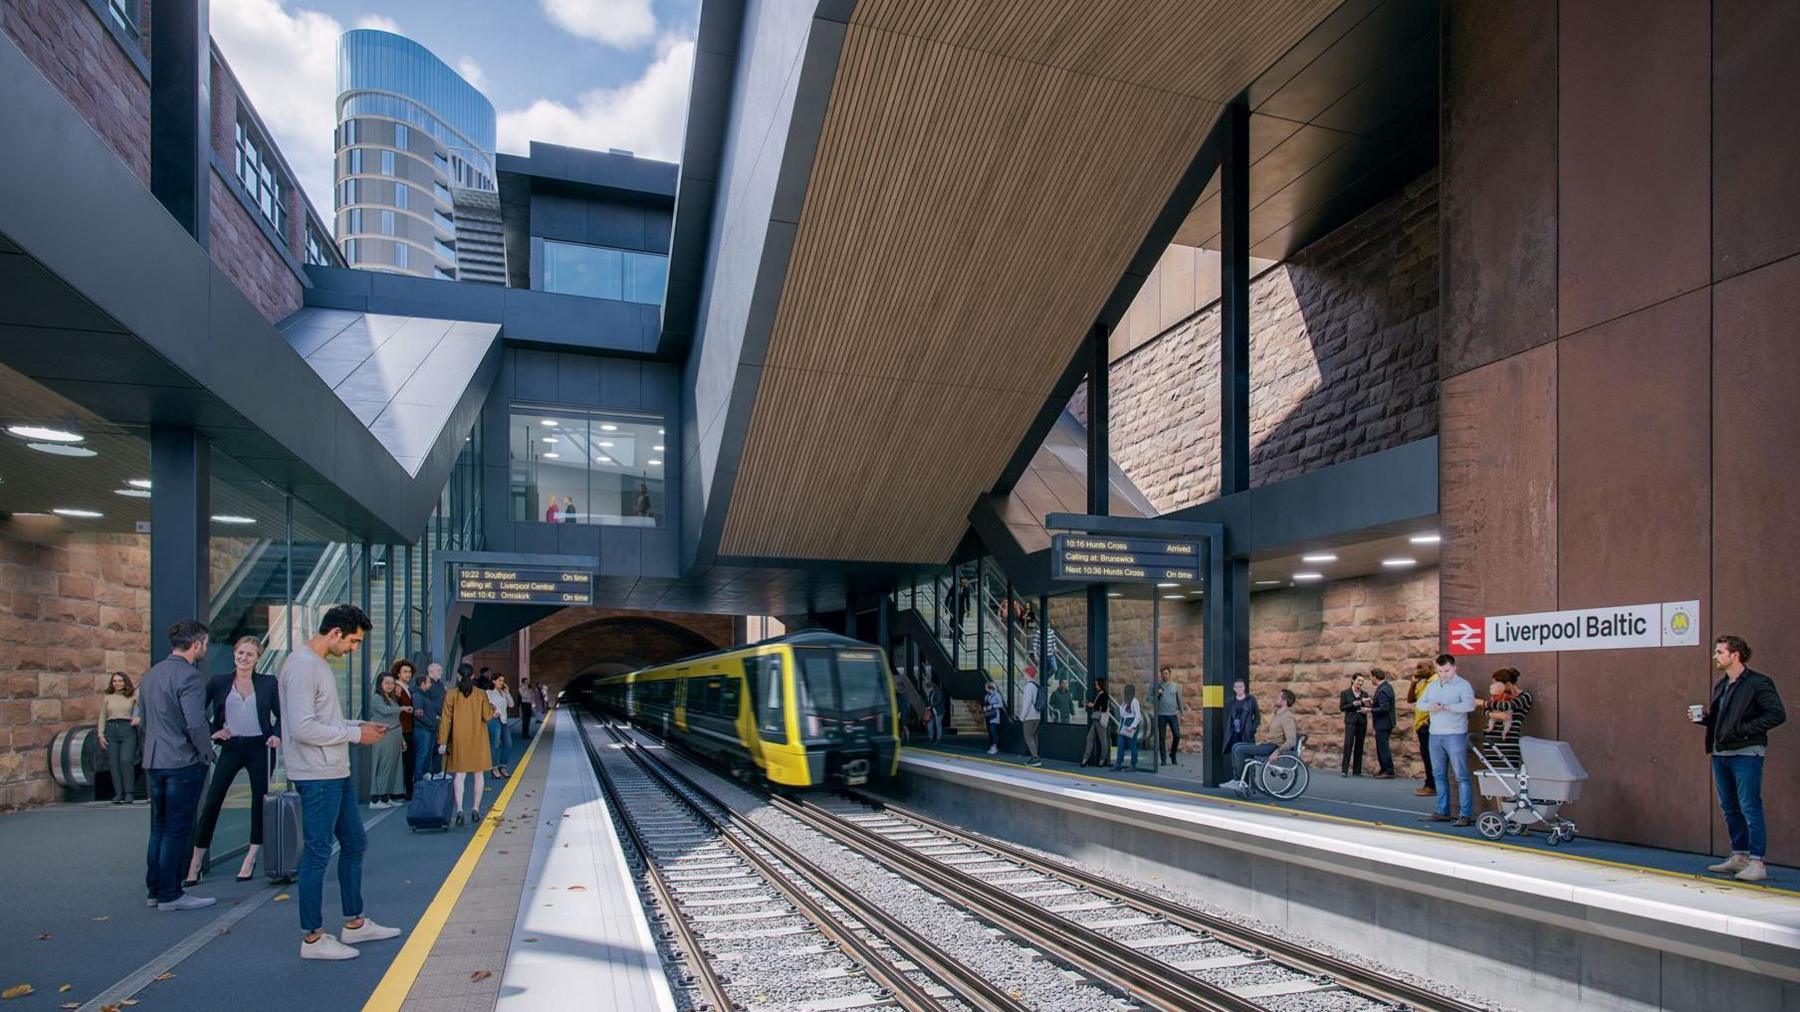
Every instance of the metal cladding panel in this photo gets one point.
(1498, 169)
(1634, 453)
(1755, 100)
(1756, 393)
(1633, 153)
(984, 175)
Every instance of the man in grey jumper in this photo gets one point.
(177, 748)
(316, 746)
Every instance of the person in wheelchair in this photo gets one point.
(1283, 731)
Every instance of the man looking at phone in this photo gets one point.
(1450, 699)
(1743, 709)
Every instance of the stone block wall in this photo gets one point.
(242, 252)
(1343, 361)
(1307, 639)
(73, 609)
(76, 53)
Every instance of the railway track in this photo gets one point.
(1160, 953)
(759, 924)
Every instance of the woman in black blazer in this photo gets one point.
(244, 710)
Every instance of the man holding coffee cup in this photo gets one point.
(1744, 707)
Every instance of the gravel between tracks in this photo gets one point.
(1036, 981)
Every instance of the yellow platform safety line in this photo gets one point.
(1376, 824)
(398, 982)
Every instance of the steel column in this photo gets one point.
(180, 528)
(1099, 473)
(181, 112)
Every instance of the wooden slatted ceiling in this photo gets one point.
(985, 172)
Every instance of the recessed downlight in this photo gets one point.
(1268, 583)
(548, 421)
(608, 427)
(1399, 563)
(1166, 586)
(133, 493)
(551, 439)
(658, 448)
(604, 444)
(62, 449)
(78, 514)
(1173, 597)
(45, 434)
(228, 518)
(1114, 593)
(138, 482)
(1425, 539)
(1308, 577)
(1319, 557)
(654, 463)
(552, 455)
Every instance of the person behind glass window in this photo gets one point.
(568, 509)
(1099, 718)
(1131, 720)
(992, 708)
(243, 709)
(118, 730)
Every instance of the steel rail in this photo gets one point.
(1358, 978)
(969, 986)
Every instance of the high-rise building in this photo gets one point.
(411, 134)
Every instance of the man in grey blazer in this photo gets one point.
(177, 749)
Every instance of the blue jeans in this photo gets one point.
(327, 809)
(498, 756)
(1450, 758)
(1127, 740)
(425, 753)
(1739, 782)
(174, 801)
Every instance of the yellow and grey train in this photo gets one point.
(812, 709)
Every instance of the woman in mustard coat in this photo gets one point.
(463, 739)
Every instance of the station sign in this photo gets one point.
(476, 584)
(1669, 624)
(1098, 558)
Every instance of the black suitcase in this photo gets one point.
(282, 833)
(430, 807)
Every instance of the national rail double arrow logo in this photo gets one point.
(1467, 635)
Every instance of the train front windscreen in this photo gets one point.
(844, 694)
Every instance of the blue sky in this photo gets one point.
(591, 73)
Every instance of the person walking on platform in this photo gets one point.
(1168, 716)
(1031, 713)
(465, 741)
(500, 703)
(1353, 703)
(177, 749)
(1099, 718)
(1062, 703)
(1381, 717)
(387, 783)
(524, 708)
(243, 709)
(1449, 699)
(1423, 673)
(118, 724)
(992, 709)
(317, 754)
(1287, 739)
(1242, 716)
(1131, 721)
(937, 704)
(428, 703)
(1743, 709)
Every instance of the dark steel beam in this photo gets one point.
(1099, 471)
(180, 528)
(181, 112)
(1234, 303)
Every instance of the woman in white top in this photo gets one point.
(1131, 717)
(500, 701)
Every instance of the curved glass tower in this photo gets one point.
(415, 163)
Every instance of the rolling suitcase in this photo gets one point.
(430, 807)
(282, 834)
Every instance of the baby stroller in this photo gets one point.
(1533, 777)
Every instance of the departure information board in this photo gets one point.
(1097, 558)
(524, 586)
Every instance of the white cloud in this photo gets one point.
(623, 24)
(381, 21)
(645, 116)
(472, 72)
(287, 64)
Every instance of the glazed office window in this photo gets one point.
(402, 195)
(387, 222)
(444, 221)
(356, 160)
(402, 252)
(400, 136)
(445, 251)
(387, 162)
(441, 191)
(581, 466)
(256, 171)
(315, 248)
(125, 13)
(599, 272)
(442, 274)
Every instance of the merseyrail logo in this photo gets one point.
(1671, 624)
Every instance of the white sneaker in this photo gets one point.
(1754, 871)
(187, 901)
(326, 947)
(1231, 785)
(1731, 865)
(369, 932)
(993, 751)
(375, 806)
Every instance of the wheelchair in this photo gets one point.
(1282, 776)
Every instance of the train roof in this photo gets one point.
(803, 638)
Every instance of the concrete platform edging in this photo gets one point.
(1470, 915)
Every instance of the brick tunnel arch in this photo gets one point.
(611, 645)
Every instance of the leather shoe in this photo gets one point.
(1426, 792)
(1434, 817)
(1463, 822)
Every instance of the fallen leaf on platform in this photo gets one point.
(65, 989)
(282, 896)
(481, 974)
(109, 1008)
(531, 939)
(578, 889)
(70, 1004)
(129, 1002)
(44, 936)
(165, 976)
(103, 917)
(17, 991)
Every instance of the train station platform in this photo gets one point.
(1590, 925)
(76, 929)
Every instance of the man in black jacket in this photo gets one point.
(1744, 707)
(1381, 715)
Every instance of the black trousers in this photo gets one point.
(1354, 735)
(1424, 733)
(1171, 723)
(1384, 753)
(251, 754)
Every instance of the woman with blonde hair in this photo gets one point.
(118, 727)
(244, 710)
(463, 739)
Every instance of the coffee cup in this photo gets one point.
(1695, 712)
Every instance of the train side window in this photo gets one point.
(729, 694)
(764, 682)
(713, 689)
